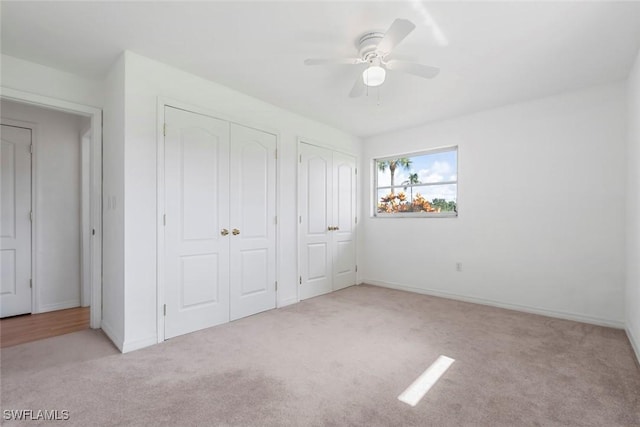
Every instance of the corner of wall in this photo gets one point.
(635, 344)
(112, 335)
(128, 346)
(112, 210)
(632, 291)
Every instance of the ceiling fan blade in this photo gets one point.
(358, 88)
(424, 71)
(336, 61)
(395, 34)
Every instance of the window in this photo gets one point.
(420, 184)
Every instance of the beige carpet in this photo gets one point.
(339, 359)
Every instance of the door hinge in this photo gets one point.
(356, 220)
(164, 129)
(276, 220)
(276, 153)
(31, 148)
(276, 285)
(164, 309)
(93, 231)
(301, 280)
(31, 216)
(300, 158)
(356, 268)
(31, 283)
(356, 171)
(164, 219)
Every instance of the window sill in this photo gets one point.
(416, 215)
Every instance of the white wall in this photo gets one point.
(38, 79)
(145, 81)
(57, 172)
(113, 252)
(541, 201)
(633, 210)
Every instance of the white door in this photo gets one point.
(197, 219)
(253, 221)
(344, 221)
(15, 246)
(316, 211)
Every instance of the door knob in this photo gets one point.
(224, 232)
(235, 231)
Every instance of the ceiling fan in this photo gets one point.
(374, 49)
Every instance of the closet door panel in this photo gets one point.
(344, 218)
(253, 221)
(315, 198)
(196, 258)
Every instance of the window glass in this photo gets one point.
(420, 184)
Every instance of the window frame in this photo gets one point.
(376, 214)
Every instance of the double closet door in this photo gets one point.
(220, 221)
(327, 194)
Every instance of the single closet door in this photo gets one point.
(327, 194)
(15, 247)
(252, 221)
(197, 220)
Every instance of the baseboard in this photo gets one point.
(635, 344)
(111, 334)
(128, 346)
(517, 307)
(72, 303)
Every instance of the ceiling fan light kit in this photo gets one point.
(373, 49)
(373, 76)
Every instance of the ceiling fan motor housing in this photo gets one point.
(367, 46)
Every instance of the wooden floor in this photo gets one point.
(31, 327)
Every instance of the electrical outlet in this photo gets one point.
(458, 266)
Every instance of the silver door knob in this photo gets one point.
(224, 232)
(235, 231)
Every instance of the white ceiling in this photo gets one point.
(490, 53)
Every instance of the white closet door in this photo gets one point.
(316, 209)
(344, 219)
(197, 214)
(253, 221)
(15, 229)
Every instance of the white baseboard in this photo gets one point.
(517, 307)
(128, 346)
(63, 305)
(111, 334)
(635, 344)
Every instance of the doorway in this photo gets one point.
(46, 211)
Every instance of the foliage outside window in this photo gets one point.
(420, 184)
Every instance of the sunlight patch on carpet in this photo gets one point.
(416, 391)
